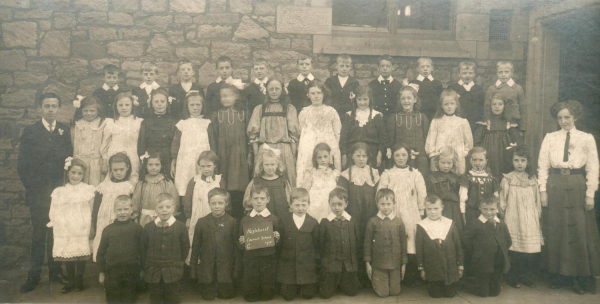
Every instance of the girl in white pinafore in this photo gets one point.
(192, 137)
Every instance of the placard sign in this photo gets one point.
(259, 235)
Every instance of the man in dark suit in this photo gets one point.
(44, 147)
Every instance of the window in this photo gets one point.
(500, 25)
(403, 17)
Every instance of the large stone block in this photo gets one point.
(18, 98)
(98, 5)
(302, 44)
(275, 56)
(192, 53)
(120, 18)
(473, 27)
(129, 33)
(103, 33)
(88, 85)
(268, 22)
(56, 44)
(131, 65)
(11, 113)
(282, 43)
(125, 5)
(155, 22)
(188, 6)
(71, 70)
(17, 3)
(218, 6)
(250, 30)
(217, 19)
(236, 51)
(33, 14)
(175, 37)
(5, 14)
(19, 34)
(89, 49)
(213, 31)
(92, 18)
(265, 8)
(154, 5)
(6, 79)
(54, 5)
(44, 66)
(30, 78)
(126, 49)
(13, 60)
(66, 93)
(304, 20)
(160, 47)
(99, 64)
(207, 74)
(240, 6)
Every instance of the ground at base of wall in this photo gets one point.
(48, 292)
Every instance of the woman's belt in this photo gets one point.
(567, 171)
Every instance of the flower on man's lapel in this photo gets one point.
(61, 131)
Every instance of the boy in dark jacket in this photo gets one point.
(215, 258)
(44, 147)
(429, 89)
(488, 240)
(338, 235)
(165, 246)
(439, 252)
(299, 240)
(118, 257)
(109, 90)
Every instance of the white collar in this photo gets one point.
(362, 116)
(421, 77)
(467, 86)
(301, 78)
(342, 80)
(391, 216)
(479, 173)
(484, 220)
(361, 176)
(574, 130)
(259, 82)
(381, 79)
(153, 86)
(298, 220)
(263, 213)
(219, 79)
(332, 216)
(170, 221)
(436, 229)
(106, 87)
(510, 83)
(46, 124)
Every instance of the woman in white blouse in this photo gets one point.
(568, 179)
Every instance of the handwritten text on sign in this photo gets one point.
(259, 235)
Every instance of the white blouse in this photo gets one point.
(582, 152)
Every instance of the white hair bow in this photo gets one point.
(77, 102)
(68, 162)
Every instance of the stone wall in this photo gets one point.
(61, 46)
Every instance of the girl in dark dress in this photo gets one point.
(444, 184)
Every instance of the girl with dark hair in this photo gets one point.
(319, 180)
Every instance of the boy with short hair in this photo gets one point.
(339, 233)
(110, 89)
(224, 66)
(385, 247)
(256, 92)
(296, 268)
(342, 85)
(44, 147)
(215, 258)
(430, 89)
(259, 264)
(471, 94)
(297, 88)
(118, 256)
(509, 90)
(179, 91)
(487, 240)
(385, 88)
(149, 71)
(439, 251)
(165, 246)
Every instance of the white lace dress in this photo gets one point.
(319, 182)
(121, 135)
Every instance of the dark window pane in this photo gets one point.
(500, 24)
(424, 14)
(363, 13)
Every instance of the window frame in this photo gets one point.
(392, 29)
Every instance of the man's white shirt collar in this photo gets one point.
(261, 82)
(298, 220)
(149, 87)
(309, 77)
(263, 213)
(48, 126)
(170, 221)
(484, 220)
(342, 80)
(219, 79)
(106, 87)
(381, 79)
(332, 216)
(391, 216)
(510, 82)
(421, 77)
(467, 86)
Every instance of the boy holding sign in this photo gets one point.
(258, 236)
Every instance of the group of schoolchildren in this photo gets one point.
(390, 183)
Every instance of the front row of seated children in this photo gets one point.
(301, 248)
